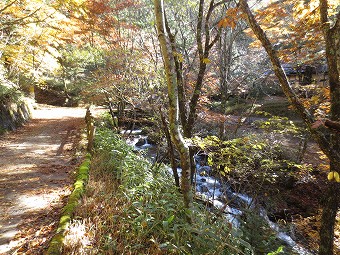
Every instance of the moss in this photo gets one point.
(56, 243)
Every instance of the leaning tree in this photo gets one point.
(325, 132)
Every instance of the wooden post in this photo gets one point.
(90, 128)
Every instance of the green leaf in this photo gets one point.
(278, 251)
(170, 219)
(210, 161)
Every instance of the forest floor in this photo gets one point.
(37, 162)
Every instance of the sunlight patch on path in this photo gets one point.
(18, 168)
(35, 202)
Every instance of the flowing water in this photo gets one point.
(210, 189)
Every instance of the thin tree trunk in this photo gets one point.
(203, 52)
(110, 105)
(171, 80)
(171, 149)
(179, 76)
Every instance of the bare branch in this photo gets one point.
(332, 124)
(199, 30)
(219, 3)
(6, 6)
(336, 26)
(217, 37)
(7, 24)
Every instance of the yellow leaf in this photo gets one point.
(324, 167)
(336, 177)
(206, 60)
(179, 56)
(227, 169)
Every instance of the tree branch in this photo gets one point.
(287, 89)
(336, 26)
(23, 18)
(199, 30)
(217, 37)
(320, 135)
(6, 6)
(332, 124)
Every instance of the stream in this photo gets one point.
(210, 189)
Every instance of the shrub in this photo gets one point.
(132, 208)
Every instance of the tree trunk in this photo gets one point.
(328, 219)
(328, 140)
(171, 149)
(203, 52)
(171, 80)
(331, 202)
(179, 75)
(320, 135)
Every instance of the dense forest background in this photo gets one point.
(250, 86)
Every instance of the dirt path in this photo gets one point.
(36, 166)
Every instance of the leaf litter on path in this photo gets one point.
(36, 163)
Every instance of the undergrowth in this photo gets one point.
(131, 207)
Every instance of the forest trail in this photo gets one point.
(36, 166)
